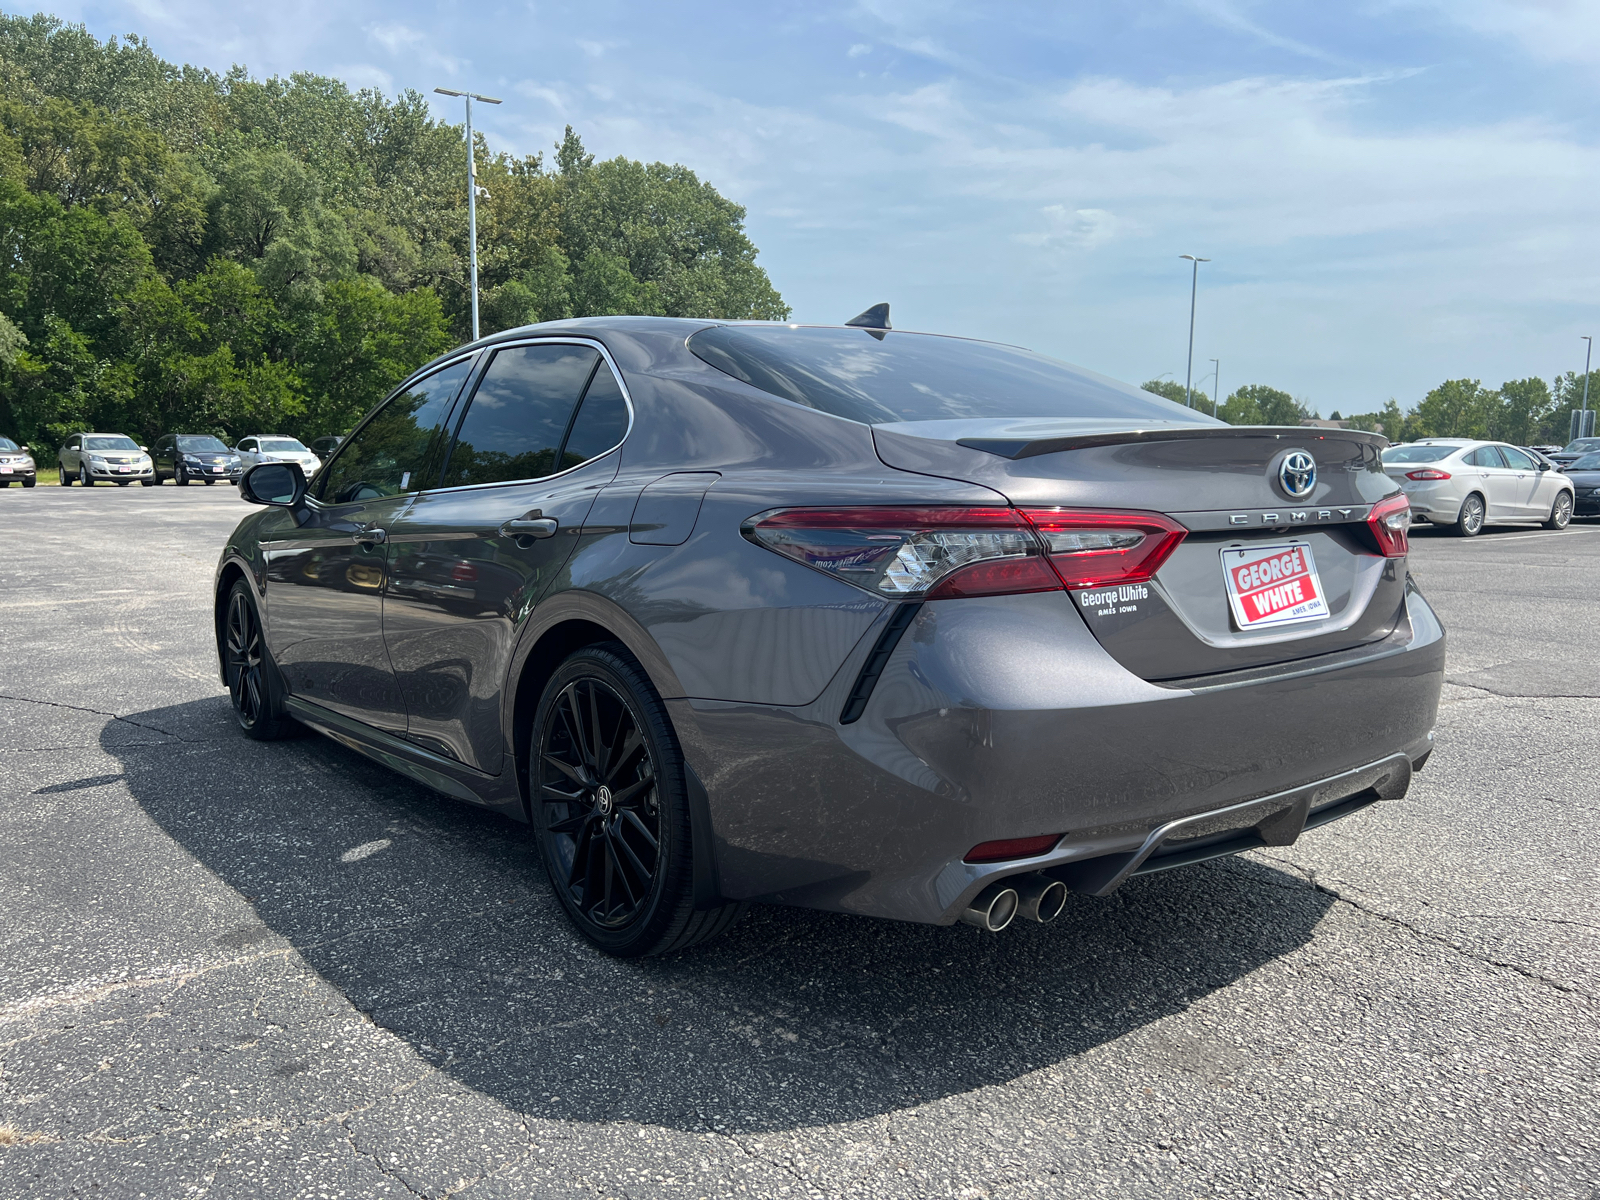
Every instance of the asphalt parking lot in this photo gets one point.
(230, 969)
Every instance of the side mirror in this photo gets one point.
(281, 484)
(146, 449)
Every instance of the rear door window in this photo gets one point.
(518, 416)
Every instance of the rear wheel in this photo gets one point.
(252, 679)
(611, 810)
(1560, 511)
(1470, 522)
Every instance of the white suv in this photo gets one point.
(1469, 484)
(273, 447)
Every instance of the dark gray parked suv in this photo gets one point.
(863, 620)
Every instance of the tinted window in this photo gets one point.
(601, 421)
(518, 415)
(201, 445)
(879, 377)
(110, 443)
(1516, 459)
(1418, 454)
(389, 454)
(248, 445)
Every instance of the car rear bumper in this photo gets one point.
(1003, 718)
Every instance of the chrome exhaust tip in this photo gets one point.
(1041, 898)
(993, 908)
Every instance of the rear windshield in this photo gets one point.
(283, 445)
(109, 443)
(201, 444)
(1411, 454)
(880, 377)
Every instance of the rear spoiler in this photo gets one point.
(1030, 448)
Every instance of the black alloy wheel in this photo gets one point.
(252, 681)
(1470, 522)
(84, 477)
(1560, 512)
(609, 804)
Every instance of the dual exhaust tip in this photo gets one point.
(1032, 897)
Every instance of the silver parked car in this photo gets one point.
(16, 463)
(272, 447)
(87, 458)
(1468, 484)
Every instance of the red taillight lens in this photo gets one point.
(1390, 521)
(1428, 473)
(912, 553)
(1028, 847)
(1098, 547)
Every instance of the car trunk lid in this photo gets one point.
(1225, 485)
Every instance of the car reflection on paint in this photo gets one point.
(456, 583)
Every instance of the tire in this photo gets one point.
(66, 480)
(209, 482)
(1470, 522)
(122, 482)
(29, 482)
(180, 476)
(619, 860)
(84, 477)
(151, 482)
(1560, 512)
(253, 684)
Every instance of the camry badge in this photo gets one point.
(1297, 474)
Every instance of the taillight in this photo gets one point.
(912, 553)
(1099, 547)
(1028, 847)
(1428, 473)
(1390, 521)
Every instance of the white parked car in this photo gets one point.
(273, 447)
(1468, 484)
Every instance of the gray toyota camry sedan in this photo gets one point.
(852, 618)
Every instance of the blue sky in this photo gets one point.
(1392, 192)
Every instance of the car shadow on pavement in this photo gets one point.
(435, 919)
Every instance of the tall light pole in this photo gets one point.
(1194, 287)
(1583, 421)
(1216, 384)
(472, 195)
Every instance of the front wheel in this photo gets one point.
(1560, 512)
(180, 476)
(611, 810)
(1470, 522)
(84, 477)
(27, 483)
(66, 480)
(252, 678)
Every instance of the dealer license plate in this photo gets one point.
(5, 470)
(1273, 585)
(124, 470)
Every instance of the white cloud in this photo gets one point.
(857, 50)
(1554, 30)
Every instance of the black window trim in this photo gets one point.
(464, 401)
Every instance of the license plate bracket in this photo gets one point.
(1273, 585)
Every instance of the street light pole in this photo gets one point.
(472, 195)
(1583, 421)
(1194, 288)
(1216, 384)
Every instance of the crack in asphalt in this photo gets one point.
(1310, 876)
(102, 713)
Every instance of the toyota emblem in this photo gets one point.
(1297, 474)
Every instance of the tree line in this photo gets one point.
(191, 251)
(1520, 411)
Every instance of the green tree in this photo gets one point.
(1257, 404)
(1166, 389)
(1457, 408)
(1523, 409)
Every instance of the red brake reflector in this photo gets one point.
(1028, 847)
(1390, 522)
(1428, 473)
(1091, 547)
